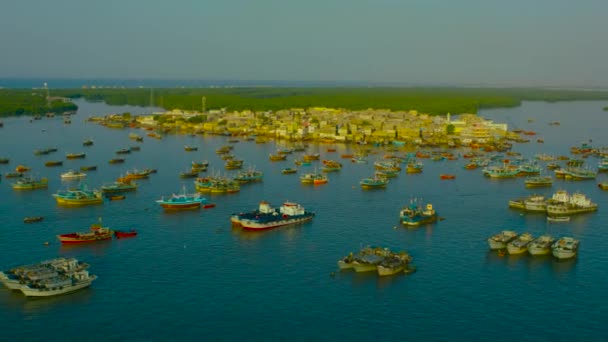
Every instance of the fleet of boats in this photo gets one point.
(564, 248)
(378, 259)
(48, 278)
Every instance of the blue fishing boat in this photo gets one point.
(80, 196)
(373, 182)
(415, 215)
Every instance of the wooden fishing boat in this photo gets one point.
(53, 163)
(447, 176)
(125, 234)
(75, 155)
(32, 219)
(116, 197)
(116, 160)
(289, 170)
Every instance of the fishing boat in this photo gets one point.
(538, 181)
(13, 174)
(188, 174)
(53, 163)
(558, 219)
(414, 215)
(88, 168)
(289, 170)
(30, 183)
(190, 148)
(118, 187)
(123, 151)
(277, 157)
(59, 285)
(97, 233)
(447, 176)
(519, 245)
(71, 174)
(4, 160)
(603, 185)
(32, 219)
(117, 197)
(249, 176)
(319, 179)
(233, 164)
(22, 168)
(116, 161)
(394, 263)
(575, 203)
(541, 245)
(373, 182)
(81, 196)
(181, 201)
(75, 155)
(288, 213)
(500, 240)
(565, 248)
(125, 234)
(87, 142)
(311, 156)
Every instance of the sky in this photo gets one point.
(559, 43)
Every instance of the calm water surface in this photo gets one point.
(189, 275)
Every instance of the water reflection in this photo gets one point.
(32, 306)
(531, 263)
(289, 232)
(97, 248)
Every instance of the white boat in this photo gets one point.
(558, 218)
(43, 272)
(500, 240)
(535, 203)
(59, 285)
(541, 245)
(566, 204)
(565, 248)
(71, 174)
(519, 244)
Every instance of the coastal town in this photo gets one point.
(330, 125)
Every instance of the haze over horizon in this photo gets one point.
(418, 42)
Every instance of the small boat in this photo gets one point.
(519, 244)
(565, 248)
(124, 151)
(188, 174)
(277, 157)
(116, 197)
(125, 234)
(190, 148)
(88, 168)
(53, 163)
(31, 183)
(78, 197)
(447, 176)
(87, 142)
(373, 182)
(4, 160)
(500, 240)
(538, 181)
(22, 168)
(208, 205)
(116, 160)
(182, 201)
(558, 218)
(541, 245)
(288, 170)
(32, 219)
(75, 155)
(13, 175)
(71, 174)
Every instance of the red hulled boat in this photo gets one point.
(97, 233)
(125, 234)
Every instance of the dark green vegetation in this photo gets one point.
(425, 100)
(29, 102)
(606, 109)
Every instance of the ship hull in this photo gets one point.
(560, 254)
(387, 271)
(71, 202)
(66, 240)
(187, 206)
(29, 292)
(256, 225)
(539, 250)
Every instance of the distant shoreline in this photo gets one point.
(433, 101)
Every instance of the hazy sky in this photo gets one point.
(469, 42)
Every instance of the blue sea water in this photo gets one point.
(191, 276)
